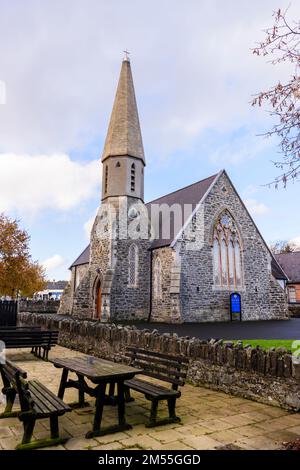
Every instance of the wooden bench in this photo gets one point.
(36, 402)
(164, 367)
(40, 341)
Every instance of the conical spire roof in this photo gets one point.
(124, 133)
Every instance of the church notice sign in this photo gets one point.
(235, 307)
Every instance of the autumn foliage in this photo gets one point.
(282, 44)
(19, 275)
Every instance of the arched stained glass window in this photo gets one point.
(224, 261)
(231, 266)
(157, 279)
(133, 265)
(217, 263)
(238, 268)
(227, 260)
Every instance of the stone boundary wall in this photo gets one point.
(39, 306)
(294, 310)
(266, 376)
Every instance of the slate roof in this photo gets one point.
(277, 271)
(290, 262)
(83, 258)
(56, 285)
(191, 194)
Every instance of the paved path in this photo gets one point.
(210, 420)
(285, 329)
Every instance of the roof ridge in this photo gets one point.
(288, 253)
(184, 187)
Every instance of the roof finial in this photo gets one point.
(126, 57)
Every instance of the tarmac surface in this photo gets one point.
(277, 329)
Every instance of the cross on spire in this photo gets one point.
(126, 55)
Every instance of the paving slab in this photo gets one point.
(209, 419)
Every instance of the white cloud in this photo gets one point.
(50, 264)
(295, 241)
(188, 78)
(29, 184)
(256, 208)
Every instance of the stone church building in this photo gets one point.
(175, 259)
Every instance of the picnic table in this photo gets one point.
(101, 373)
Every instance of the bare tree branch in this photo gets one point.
(283, 41)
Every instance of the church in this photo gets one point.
(175, 259)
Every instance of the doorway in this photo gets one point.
(98, 299)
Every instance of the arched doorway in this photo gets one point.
(98, 299)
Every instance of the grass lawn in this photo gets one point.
(271, 343)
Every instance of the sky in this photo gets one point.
(194, 76)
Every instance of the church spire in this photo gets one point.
(124, 133)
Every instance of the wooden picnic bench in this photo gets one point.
(36, 402)
(101, 373)
(164, 367)
(40, 341)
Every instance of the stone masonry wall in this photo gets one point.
(266, 376)
(294, 310)
(65, 306)
(262, 296)
(39, 306)
(125, 302)
(162, 307)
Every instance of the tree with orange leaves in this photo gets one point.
(19, 275)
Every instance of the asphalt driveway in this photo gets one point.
(280, 329)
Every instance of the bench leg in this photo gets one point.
(98, 412)
(63, 381)
(81, 391)
(28, 444)
(46, 350)
(47, 353)
(28, 430)
(54, 427)
(10, 399)
(121, 404)
(153, 413)
(111, 391)
(128, 397)
(172, 413)
(100, 402)
(153, 421)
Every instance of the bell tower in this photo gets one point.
(123, 159)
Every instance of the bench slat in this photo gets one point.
(172, 357)
(156, 360)
(151, 389)
(147, 365)
(45, 402)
